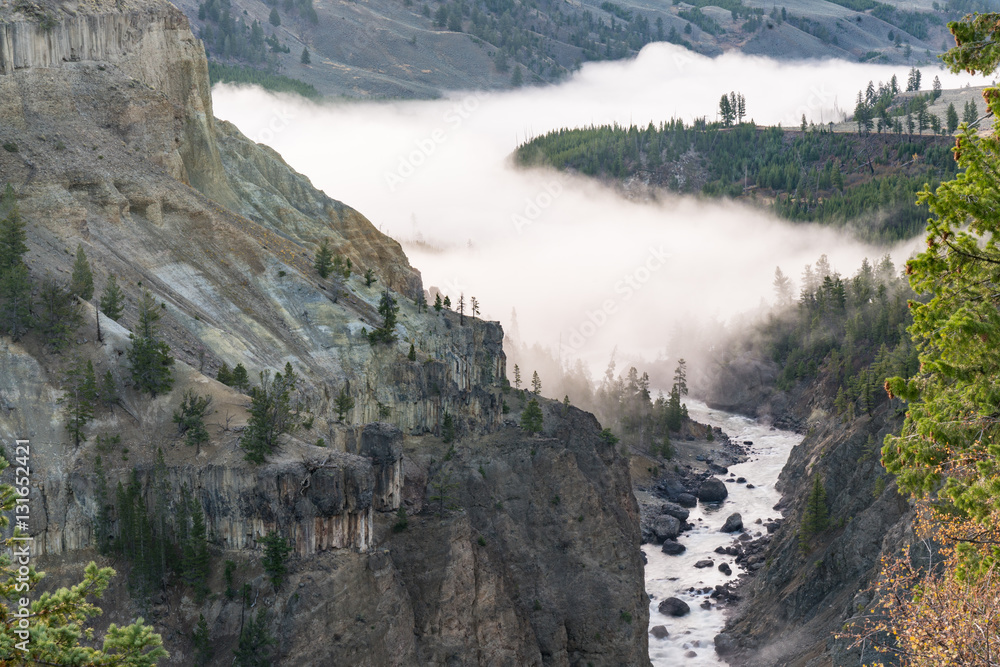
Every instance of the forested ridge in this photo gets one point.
(867, 181)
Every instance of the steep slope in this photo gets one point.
(110, 143)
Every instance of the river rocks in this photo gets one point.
(673, 548)
(704, 563)
(741, 480)
(674, 607)
(686, 500)
(675, 510)
(725, 644)
(725, 569)
(712, 490)
(656, 529)
(733, 524)
(659, 631)
(751, 486)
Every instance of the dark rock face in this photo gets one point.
(733, 524)
(672, 548)
(725, 569)
(704, 563)
(676, 510)
(712, 490)
(724, 644)
(674, 607)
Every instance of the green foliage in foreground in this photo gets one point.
(219, 73)
(57, 625)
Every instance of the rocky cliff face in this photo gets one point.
(532, 555)
(796, 605)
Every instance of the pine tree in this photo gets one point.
(412, 354)
(447, 302)
(951, 118)
(461, 309)
(475, 307)
(441, 491)
(148, 356)
(203, 649)
(324, 259)
(195, 560)
(782, 287)
(274, 18)
(517, 79)
(190, 417)
(15, 301)
(12, 235)
(517, 377)
(58, 314)
(80, 386)
(102, 518)
(447, 428)
(254, 647)
(970, 114)
(437, 302)
(240, 378)
(112, 300)
(343, 403)
(536, 384)
(369, 278)
(274, 562)
(271, 414)
(387, 308)
(816, 516)
(532, 417)
(305, 59)
(225, 375)
(81, 284)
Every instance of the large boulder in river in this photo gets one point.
(686, 500)
(666, 527)
(734, 523)
(674, 607)
(712, 490)
(673, 509)
(673, 548)
(659, 631)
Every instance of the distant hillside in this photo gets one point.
(866, 182)
(418, 48)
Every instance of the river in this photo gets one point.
(673, 576)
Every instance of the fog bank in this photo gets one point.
(586, 269)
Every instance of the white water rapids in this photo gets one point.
(673, 576)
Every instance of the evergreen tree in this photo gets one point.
(102, 519)
(190, 417)
(15, 301)
(274, 18)
(437, 302)
(324, 259)
(275, 560)
(112, 300)
(461, 309)
(475, 307)
(240, 378)
(517, 377)
(80, 398)
(951, 118)
(271, 414)
(12, 235)
(532, 417)
(305, 59)
(148, 356)
(59, 635)
(782, 288)
(81, 284)
(58, 314)
(369, 278)
(441, 492)
(225, 375)
(517, 79)
(387, 308)
(195, 560)
(726, 113)
(816, 516)
(343, 403)
(970, 113)
(108, 391)
(936, 88)
(536, 384)
(447, 428)
(447, 302)
(203, 649)
(254, 648)
(412, 354)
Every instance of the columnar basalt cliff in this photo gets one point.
(106, 117)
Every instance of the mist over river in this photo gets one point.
(585, 268)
